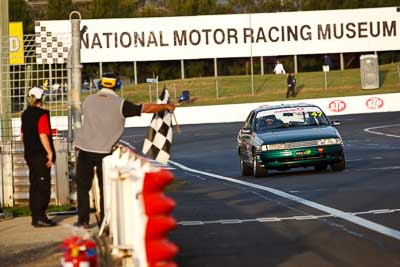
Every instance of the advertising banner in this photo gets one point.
(16, 43)
(229, 36)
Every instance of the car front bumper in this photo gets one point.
(300, 157)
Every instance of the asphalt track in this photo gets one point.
(296, 218)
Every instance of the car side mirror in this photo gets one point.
(246, 130)
(335, 123)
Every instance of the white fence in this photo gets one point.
(238, 112)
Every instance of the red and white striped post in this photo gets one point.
(137, 208)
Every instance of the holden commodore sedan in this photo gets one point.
(289, 136)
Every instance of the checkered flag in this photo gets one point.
(159, 134)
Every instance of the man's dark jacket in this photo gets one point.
(291, 81)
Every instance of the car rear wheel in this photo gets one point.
(258, 171)
(321, 167)
(339, 165)
(244, 168)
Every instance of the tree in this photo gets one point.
(59, 9)
(206, 7)
(114, 9)
(192, 7)
(20, 11)
(243, 6)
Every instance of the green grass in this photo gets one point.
(269, 87)
(25, 211)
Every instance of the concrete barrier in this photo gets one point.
(238, 112)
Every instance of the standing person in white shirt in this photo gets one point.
(279, 69)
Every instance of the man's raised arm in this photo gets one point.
(153, 108)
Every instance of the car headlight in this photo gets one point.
(330, 141)
(275, 147)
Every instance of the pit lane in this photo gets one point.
(220, 222)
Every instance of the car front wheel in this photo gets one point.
(258, 171)
(244, 168)
(339, 165)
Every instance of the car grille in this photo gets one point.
(302, 144)
(294, 159)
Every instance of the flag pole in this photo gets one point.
(178, 129)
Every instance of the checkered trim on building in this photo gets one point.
(51, 48)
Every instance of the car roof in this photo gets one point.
(295, 105)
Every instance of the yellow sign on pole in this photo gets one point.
(16, 43)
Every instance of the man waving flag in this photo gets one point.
(159, 134)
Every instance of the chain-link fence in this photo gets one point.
(34, 71)
(27, 61)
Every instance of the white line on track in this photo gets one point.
(374, 169)
(369, 130)
(349, 160)
(334, 212)
(277, 219)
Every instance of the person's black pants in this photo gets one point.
(40, 187)
(84, 177)
(290, 91)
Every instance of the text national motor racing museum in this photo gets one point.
(220, 36)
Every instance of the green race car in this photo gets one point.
(289, 136)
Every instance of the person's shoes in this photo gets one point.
(47, 220)
(43, 223)
(80, 224)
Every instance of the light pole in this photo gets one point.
(5, 96)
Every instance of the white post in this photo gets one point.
(216, 77)
(262, 65)
(62, 179)
(150, 92)
(7, 176)
(157, 87)
(341, 61)
(252, 76)
(182, 69)
(135, 71)
(398, 71)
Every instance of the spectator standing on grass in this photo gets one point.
(291, 85)
(39, 154)
(279, 69)
(328, 62)
(103, 123)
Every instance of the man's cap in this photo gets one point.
(36, 92)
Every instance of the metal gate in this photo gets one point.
(43, 63)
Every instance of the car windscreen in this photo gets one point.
(289, 117)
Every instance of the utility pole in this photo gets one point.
(76, 69)
(5, 97)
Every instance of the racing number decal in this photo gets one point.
(316, 114)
